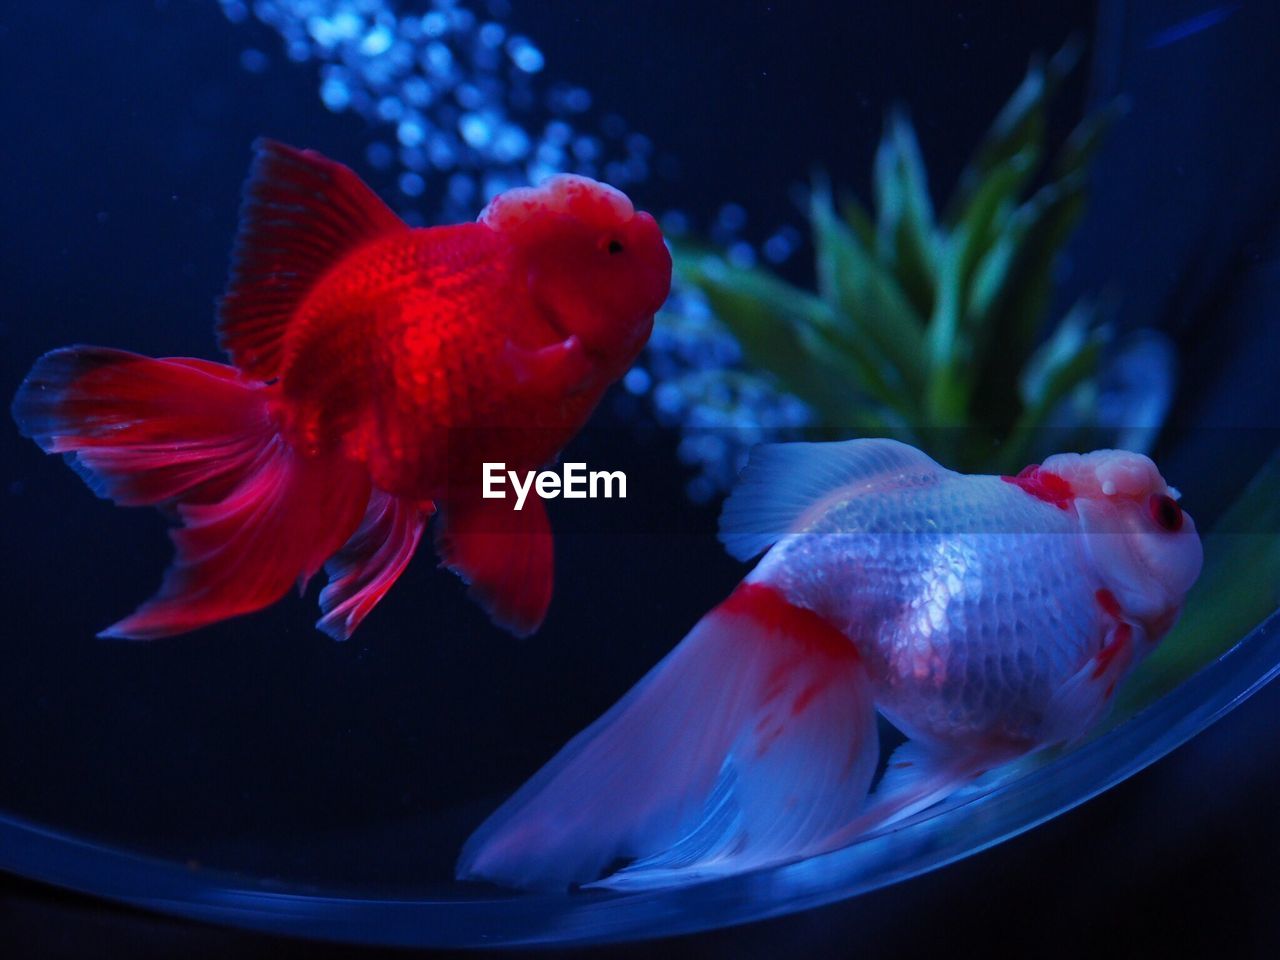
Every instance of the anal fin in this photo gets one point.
(369, 563)
(919, 775)
(505, 556)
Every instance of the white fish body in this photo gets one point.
(985, 617)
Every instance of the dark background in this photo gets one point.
(125, 138)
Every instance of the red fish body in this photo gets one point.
(376, 368)
(428, 375)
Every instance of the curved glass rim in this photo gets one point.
(934, 838)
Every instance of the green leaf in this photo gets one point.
(859, 221)
(943, 331)
(868, 298)
(950, 352)
(1066, 361)
(980, 234)
(986, 283)
(1083, 142)
(1042, 382)
(1238, 588)
(905, 229)
(789, 333)
(930, 324)
(1014, 294)
(1018, 128)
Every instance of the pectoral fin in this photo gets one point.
(504, 555)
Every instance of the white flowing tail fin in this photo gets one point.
(750, 743)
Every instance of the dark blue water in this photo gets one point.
(260, 745)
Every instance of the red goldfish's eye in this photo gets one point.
(1165, 512)
(610, 245)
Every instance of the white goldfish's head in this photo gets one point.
(598, 267)
(1144, 545)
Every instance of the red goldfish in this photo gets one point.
(375, 368)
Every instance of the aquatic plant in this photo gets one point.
(930, 326)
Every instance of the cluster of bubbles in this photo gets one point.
(457, 97)
(461, 112)
(694, 374)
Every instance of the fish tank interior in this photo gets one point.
(257, 774)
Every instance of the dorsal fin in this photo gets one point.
(300, 215)
(781, 481)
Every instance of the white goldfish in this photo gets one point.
(986, 617)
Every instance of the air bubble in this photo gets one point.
(525, 55)
(335, 93)
(639, 144)
(732, 217)
(741, 255)
(779, 247)
(390, 109)
(437, 59)
(417, 91)
(234, 10)
(254, 61)
(412, 184)
(413, 158)
(494, 185)
(558, 133)
(540, 170)
(476, 130)
(551, 155)
(377, 41)
(586, 148)
(434, 24)
(460, 20)
(469, 96)
(511, 144)
(637, 381)
(675, 222)
(442, 153)
(411, 131)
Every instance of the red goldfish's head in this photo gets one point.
(1145, 547)
(597, 268)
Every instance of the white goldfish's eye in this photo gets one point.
(1166, 513)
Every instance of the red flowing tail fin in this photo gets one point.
(753, 741)
(257, 515)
